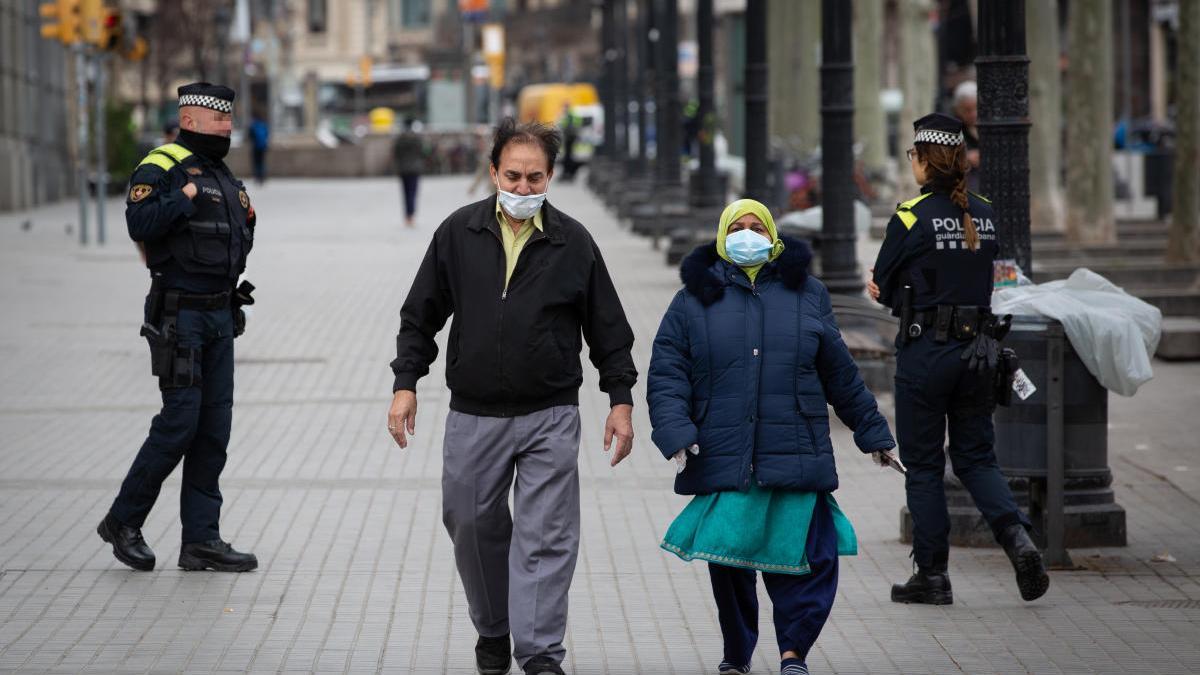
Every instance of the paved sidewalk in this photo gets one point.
(357, 573)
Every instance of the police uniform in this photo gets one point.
(941, 290)
(196, 249)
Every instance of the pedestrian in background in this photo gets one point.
(526, 284)
(746, 361)
(966, 109)
(197, 225)
(260, 140)
(408, 158)
(935, 270)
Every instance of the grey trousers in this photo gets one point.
(516, 571)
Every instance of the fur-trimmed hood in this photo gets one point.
(703, 278)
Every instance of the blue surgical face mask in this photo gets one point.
(521, 207)
(747, 248)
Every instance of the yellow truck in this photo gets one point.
(550, 103)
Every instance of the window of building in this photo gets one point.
(414, 13)
(317, 15)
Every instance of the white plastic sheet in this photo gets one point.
(1114, 333)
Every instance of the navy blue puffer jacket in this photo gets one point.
(746, 372)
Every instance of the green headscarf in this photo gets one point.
(738, 209)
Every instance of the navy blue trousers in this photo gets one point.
(192, 426)
(410, 181)
(801, 602)
(934, 390)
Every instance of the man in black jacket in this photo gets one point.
(524, 282)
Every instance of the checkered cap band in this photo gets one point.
(211, 102)
(938, 137)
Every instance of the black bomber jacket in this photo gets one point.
(516, 351)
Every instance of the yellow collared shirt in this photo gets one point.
(514, 242)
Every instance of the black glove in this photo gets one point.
(982, 354)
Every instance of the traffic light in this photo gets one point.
(91, 15)
(111, 30)
(364, 70)
(66, 13)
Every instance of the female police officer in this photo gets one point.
(935, 272)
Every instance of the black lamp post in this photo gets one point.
(756, 101)
(621, 82)
(1003, 68)
(839, 263)
(706, 188)
(668, 132)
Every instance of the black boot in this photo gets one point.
(927, 586)
(128, 546)
(493, 655)
(1032, 579)
(215, 555)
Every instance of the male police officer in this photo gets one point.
(195, 221)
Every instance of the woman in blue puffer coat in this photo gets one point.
(745, 362)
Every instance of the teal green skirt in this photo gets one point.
(762, 529)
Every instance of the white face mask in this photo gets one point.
(521, 207)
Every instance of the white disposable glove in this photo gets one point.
(681, 457)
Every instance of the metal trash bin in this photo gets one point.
(1092, 516)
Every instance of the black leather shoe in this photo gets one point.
(1032, 579)
(493, 655)
(542, 665)
(215, 555)
(928, 586)
(128, 546)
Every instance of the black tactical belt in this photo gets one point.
(204, 302)
(961, 322)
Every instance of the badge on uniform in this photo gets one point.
(139, 192)
(194, 170)
(244, 199)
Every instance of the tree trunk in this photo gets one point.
(794, 54)
(868, 113)
(1045, 113)
(918, 79)
(1089, 126)
(1185, 217)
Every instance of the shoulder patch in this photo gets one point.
(244, 199)
(904, 210)
(139, 192)
(161, 161)
(906, 205)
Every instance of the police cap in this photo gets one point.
(213, 96)
(938, 129)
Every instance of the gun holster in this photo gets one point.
(1004, 375)
(174, 366)
(240, 298)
